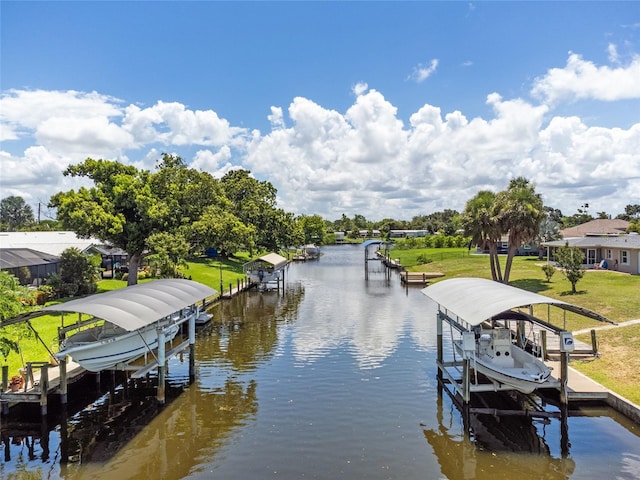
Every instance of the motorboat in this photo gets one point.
(104, 346)
(493, 354)
(127, 323)
(311, 250)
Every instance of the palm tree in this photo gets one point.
(481, 224)
(519, 210)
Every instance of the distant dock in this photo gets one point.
(418, 278)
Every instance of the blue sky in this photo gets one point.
(386, 109)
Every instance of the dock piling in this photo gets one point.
(161, 366)
(192, 348)
(44, 388)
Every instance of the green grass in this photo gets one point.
(608, 293)
(618, 366)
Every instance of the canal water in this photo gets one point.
(334, 378)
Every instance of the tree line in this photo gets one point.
(175, 212)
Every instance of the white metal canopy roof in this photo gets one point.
(475, 300)
(139, 305)
(274, 259)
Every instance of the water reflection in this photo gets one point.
(493, 447)
(195, 427)
(370, 324)
(243, 332)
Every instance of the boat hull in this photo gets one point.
(107, 353)
(508, 364)
(512, 378)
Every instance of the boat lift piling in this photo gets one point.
(192, 348)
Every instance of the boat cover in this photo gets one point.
(475, 300)
(274, 259)
(139, 305)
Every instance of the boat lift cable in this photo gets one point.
(40, 338)
(148, 347)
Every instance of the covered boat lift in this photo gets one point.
(266, 270)
(376, 256)
(465, 303)
(136, 307)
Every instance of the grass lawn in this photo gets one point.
(618, 366)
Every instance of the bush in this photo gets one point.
(548, 270)
(41, 297)
(422, 259)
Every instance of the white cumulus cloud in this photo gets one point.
(581, 79)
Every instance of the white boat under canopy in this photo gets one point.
(131, 318)
(480, 310)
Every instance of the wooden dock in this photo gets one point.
(418, 278)
(241, 286)
(579, 386)
(42, 379)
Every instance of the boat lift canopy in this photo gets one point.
(476, 300)
(277, 261)
(136, 306)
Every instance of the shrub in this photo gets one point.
(422, 259)
(548, 270)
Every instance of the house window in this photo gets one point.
(624, 257)
(609, 255)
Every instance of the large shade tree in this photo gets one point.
(254, 203)
(126, 206)
(117, 210)
(138, 210)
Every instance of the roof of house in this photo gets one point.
(476, 300)
(107, 250)
(630, 242)
(53, 243)
(599, 226)
(139, 305)
(24, 257)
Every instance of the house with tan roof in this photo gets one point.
(599, 226)
(605, 245)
